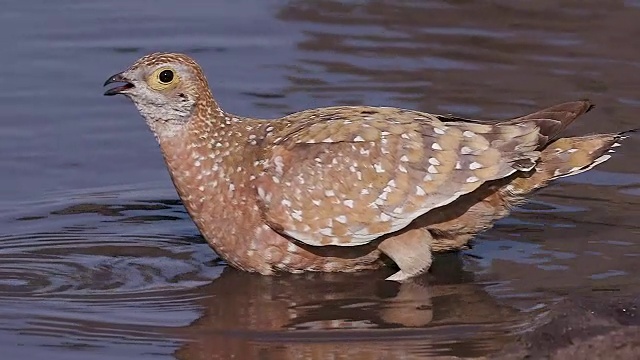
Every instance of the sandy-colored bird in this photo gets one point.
(345, 188)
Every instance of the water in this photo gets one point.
(99, 260)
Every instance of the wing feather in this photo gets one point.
(348, 175)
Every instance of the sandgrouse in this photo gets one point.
(346, 188)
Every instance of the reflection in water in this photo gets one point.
(120, 210)
(347, 316)
(115, 285)
(95, 280)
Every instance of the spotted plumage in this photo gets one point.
(348, 175)
(333, 189)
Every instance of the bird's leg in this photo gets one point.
(410, 250)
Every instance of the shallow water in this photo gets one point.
(99, 260)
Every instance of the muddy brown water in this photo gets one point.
(98, 259)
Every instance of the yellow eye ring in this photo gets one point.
(164, 78)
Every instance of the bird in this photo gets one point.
(346, 188)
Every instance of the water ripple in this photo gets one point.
(100, 267)
(94, 265)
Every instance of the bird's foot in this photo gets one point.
(411, 251)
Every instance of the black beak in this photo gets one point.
(117, 78)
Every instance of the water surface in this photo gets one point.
(99, 260)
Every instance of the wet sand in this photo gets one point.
(595, 327)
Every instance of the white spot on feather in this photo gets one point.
(578, 170)
(434, 161)
(475, 165)
(472, 179)
(465, 150)
(432, 169)
(436, 146)
(601, 159)
(279, 164)
(297, 215)
(348, 203)
(420, 191)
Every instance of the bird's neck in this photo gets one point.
(170, 121)
(210, 154)
(212, 165)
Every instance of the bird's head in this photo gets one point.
(168, 89)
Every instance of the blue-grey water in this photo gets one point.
(98, 259)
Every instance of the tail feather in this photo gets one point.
(567, 157)
(553, 120)
(534, 132)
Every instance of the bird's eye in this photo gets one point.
(165, 76)
(163, 79)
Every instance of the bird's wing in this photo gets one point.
(348, 175)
